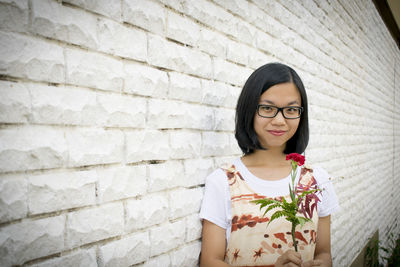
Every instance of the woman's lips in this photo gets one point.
(277, 133)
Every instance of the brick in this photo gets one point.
(258, 58)
(31, 239)
(14, 15)
(123, 110)
(246, 33)
(94, 146)
(162, 260)
(219, 94)
(127, 251)
(64, 105)
(148, 15)
(212, 42)
(173, 235)
(173, 56)
(184, 202)
(184, 87)
(120, 40)
(188, 255)
(224, 119)
(59, 191)
(13, 197)
(239, 7)
(213, 15)
(121, 182)
(53, 20)
(215, 144)
(182, 29)
(184, 144)
(81, 257)
(24, 148)
(94, 224)
(173, 114)
(165, 175)
(147, 145)
(143, 80)
(193, 227)
(104, 7)
(147, 211)
(237, 52)
(93, 70)
(30, 58)
(15, 102)
(196, 170)
(231, 73)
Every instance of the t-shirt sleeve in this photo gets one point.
(329, 201)
(214, 206)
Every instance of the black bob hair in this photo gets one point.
(260, 81)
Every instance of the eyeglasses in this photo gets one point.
(268, 111)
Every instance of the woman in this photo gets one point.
(271, 122)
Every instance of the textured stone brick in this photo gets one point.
(162, 260)
(120, 40)
(104, 7)
(130, 250)
(184, 201)
(188, 255)
(148, 15)
(27, 57)
(182, 29)
(173, 114)
(239, 7)
(224, 119)
(165, 175)
(31, 239)
(81, 258)
(219, 94)
(122, 110)
(59, 191)
(53, 20)
(15, 103)
(166, 237)
(196, 170)
(89, 225)
(14, 15)
(231, 73)
(212, 15)
(147, 211)
(13, 197)
(246, 33)
(121, 182)
(24, 148)
(193, 227)
(64, 105)
(212, 42)
(143, 80)
(94, 146)
(184, 87)
(93, 70)
(173, 56)
(147, 145)
(258, 58)
(237, 52)
(184, 144)
(215, 144)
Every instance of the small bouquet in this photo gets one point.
(301, 197)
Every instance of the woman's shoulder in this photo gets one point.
(220, 174)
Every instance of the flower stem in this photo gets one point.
(293, 236)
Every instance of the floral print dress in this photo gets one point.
(252, 241)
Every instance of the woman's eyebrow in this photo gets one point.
(271, 102)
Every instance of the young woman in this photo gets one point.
(271, 122)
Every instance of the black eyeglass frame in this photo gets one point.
(279, 109)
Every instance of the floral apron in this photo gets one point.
(252, 241)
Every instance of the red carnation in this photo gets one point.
(296, 157)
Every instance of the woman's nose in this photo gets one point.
(279, 119)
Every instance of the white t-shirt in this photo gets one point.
(216, 205)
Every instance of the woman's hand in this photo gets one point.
(289, 258)
(312, 263)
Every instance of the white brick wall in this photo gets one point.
(112, 113)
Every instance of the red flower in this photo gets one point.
(296, 157)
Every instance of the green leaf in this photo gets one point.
(271, 207)
(303, 221)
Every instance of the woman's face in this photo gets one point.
(275, 132)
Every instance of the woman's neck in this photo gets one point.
(270, 157)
